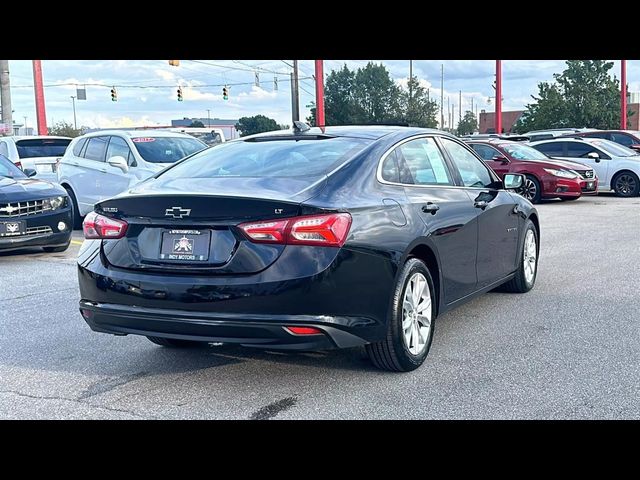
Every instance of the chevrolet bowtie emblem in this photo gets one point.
(177, 212)
(9, 209)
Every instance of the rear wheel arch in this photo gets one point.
(536, 222)
(427, 255)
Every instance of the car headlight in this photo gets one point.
(561, 173)
(55, 202)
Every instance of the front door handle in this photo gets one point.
(430, 207)
(481, 204)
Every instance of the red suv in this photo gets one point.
(546, 177)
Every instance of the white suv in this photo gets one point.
(39, 153)
(617, 167)
(102, 164)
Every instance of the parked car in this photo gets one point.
(627, 138)
(308, 239)
(617, 167)
(102, 164)
(546, 178)
(33, 213)
(209, 135)
(39, 153)
(536, 135)
(502, 136)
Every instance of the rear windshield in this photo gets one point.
(273, 158)
(42, 147)
(166, 149)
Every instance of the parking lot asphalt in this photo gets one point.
(568, 349)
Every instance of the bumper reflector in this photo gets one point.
(304, 330)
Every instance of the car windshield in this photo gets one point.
(166, 149)
(42, 147)
(8, 169)
(273, 158)
(522, 152)
(614, 149)
(210, 138)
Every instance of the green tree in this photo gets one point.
(256, 124)
(64, 129)
(468, 124)
(340, 104)
(583, 95)
(197, 123)
(415, 107)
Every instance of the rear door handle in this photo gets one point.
(430, 207)
(481, 204)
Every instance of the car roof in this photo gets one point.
(373, 132)
(568, 138)
(38, 137)
(138, 133)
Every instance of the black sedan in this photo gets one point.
(308, 239)
(33, 213)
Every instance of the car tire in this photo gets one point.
(174, 343)
(76, 219)
(568, 199)
(531, 190)
(56, 249)
(626, 184)
(525, 277)
(409, 334)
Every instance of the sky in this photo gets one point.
(202, 80)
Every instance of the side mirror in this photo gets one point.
(513, 181)
(119, 162)
(501, 158)
(30, 172)
(594, 155)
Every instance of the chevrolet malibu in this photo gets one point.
(308, 239)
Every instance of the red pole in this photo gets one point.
(319, 94)
(41, 114)
(623, 94)
(498, 96)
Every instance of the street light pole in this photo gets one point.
(623, 94)
(498, 96)
(75, 124)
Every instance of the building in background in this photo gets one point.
(228, 127)
(487, 122)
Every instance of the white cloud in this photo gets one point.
(258, 93)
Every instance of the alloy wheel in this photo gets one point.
(530, 190)
(416, 313)
(530, 256)
(625, 184)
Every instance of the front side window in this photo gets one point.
(423, 163)
(484, 151)
(473, 172)
(118, 147)
(579, 150)
(96, 148)
(166, 149)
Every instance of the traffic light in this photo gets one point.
(174, 63)
(225, 93)
(179, 94)
(114, 95)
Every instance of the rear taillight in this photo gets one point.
(329, 230)
(99, 226)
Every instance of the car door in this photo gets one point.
(114, 180)
(579, 152)
(497, 215)
(447, 214)
(88, 174)
(488, 153)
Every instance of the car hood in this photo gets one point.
(566, 164)
(23, 189)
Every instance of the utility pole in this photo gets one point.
(442, 96)
(498, 96)
(208, 117)
(320, 121)
(460, 107)
(41, 115)
(295, 103)
(75, 124)
(623, 94)
(5, 96)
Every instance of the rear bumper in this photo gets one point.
(41, 222)
(347, 298)
(247, 330)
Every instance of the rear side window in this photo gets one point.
(77, 148)
(390, 171)
(622, 139)
(42, 147)
(551, 149)
(96, 148)
(424, 162)
(269, 158)
(473, 172)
